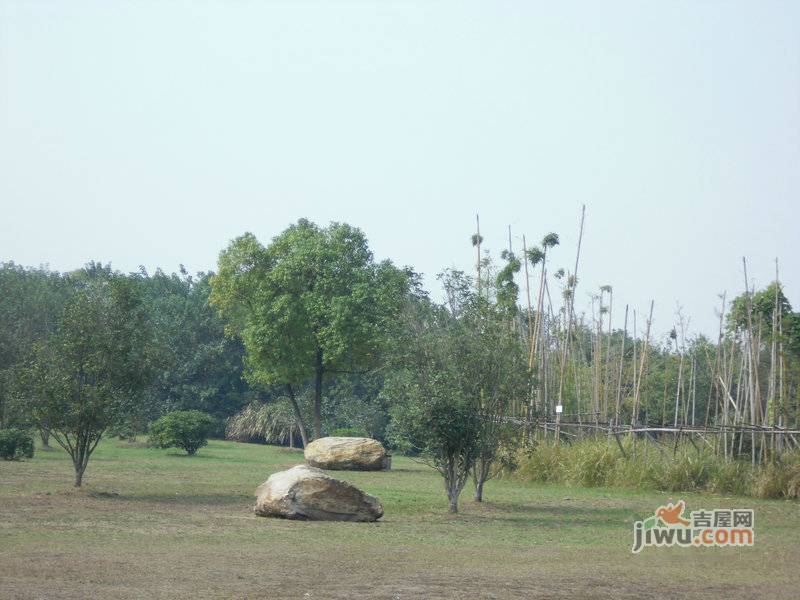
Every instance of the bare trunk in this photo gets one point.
(479, 491)
(319, 370)
(45, 435)
(454, 480)
(82, 450)
(453, 508)
(453, 492)
(298, 416)
(480, 474)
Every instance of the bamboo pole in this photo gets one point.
(531, 333)
(606, 375)
(571, 304)
(645, 353)
(621, 365)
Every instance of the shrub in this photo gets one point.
(15, 444)
(186, 429)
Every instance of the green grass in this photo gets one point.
(158, 524)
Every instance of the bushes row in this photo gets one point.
(599, 462)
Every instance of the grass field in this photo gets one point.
(157, 524)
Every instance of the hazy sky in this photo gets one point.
(152, 133)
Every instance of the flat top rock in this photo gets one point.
(347, 453)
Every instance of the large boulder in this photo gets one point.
(348, 454)
(304, 492)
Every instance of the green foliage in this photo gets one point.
(185, 429)
(731, 478)
(647, 465)
(456, 372)
(89, 374)
(15, 444)
(31, 302)
(763, 305)
(199, 367)
(311, 303)
(543, 464)
(550, 240)
(689, 470)
(507, 289)
(535, 256)
(348, 432)
(353, 401)
(593, 464)
(779, 479)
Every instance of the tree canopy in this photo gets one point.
(310, 303)
(88, 375)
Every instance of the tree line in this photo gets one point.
(309, 335)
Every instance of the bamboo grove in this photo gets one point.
(737, 394)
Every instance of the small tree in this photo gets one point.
(186, 429)
(457, 374)
(89, 373)
(440, 422)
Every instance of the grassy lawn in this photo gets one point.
(157, 524)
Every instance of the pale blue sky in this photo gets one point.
(152, 133)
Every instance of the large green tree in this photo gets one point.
(312, 303)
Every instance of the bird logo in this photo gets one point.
(671, 514)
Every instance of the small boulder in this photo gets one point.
(304, 492)
(348, 454)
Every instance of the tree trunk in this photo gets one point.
(45, 435)
(480, 474)
(453, 485)
(319, 370)
(80, 457)
(479, 490)
(298, 416)
(79, 461)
